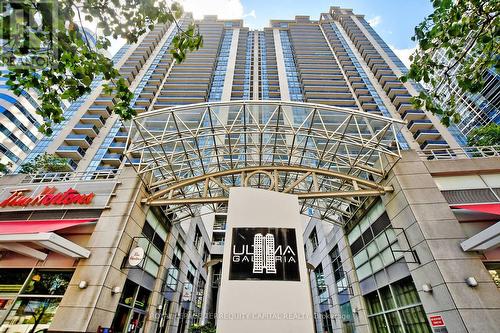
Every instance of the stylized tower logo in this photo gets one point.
(264, 254)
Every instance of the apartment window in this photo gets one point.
(191, 272)
(338, 271)
(326, 319)
(197, 238)
(172, 279)
(200, 293)
(313, 238)
(397, 308)
(321, 285)
(206, 253)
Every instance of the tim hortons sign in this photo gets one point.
(56, 196)
(49, 196)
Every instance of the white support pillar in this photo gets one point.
(280, 62)
(256, 67)
(231, 65)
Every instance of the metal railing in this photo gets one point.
(50, 177)
(460, 153)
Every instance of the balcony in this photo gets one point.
(433, 144)
(101, 110)
(112, 159)
(135, 161)
(117, 147)
(80, 140)
(397, 91)
(404, 107)
(94, 119)
(410, 115)
(106, 101)
(401, 99)
(427, 134)
(419, 124)
(121, 136)
(73, 152)
(390, 84)
(87, 129)
(385, 78)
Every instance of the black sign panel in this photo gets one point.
(264, 254)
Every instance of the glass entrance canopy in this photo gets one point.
(330, 157)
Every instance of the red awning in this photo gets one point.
(35, 226)
(490, 208)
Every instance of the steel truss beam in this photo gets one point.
(330, 157)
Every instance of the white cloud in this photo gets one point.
(224, 9)
(251, 14)
(404, 54)
(375, 21)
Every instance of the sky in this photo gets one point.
(394, 20)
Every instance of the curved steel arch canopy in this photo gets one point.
(331, 157)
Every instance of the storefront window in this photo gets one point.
(394, 323)
(48, 283)
(405, 293)
(414, 320)
(396, 308)
(494, 270)
(373, 302)
(387, 299)
(31, 312)
(378, 324)
(131, 312)
(11, 282)
(34, 307)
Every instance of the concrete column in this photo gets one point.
(256, 67)
(417, 206)
(280, 62)
(231, 64)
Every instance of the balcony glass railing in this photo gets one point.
(78, 137)
(93, 117)
(87, 127)
(431, 143)
(75, 149)
(113, 157)
(419, 122)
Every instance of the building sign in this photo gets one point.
(136, 256)
(264, 254)
(438, 325)
(48, 197)
(57, 195)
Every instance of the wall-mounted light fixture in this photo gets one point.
(116, 290)
(471, 281)
(83, 284)
(427, 287)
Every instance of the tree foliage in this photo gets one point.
(45, 163)
(44, 47)
(467, 33)
(198, 328)
(488, 135)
